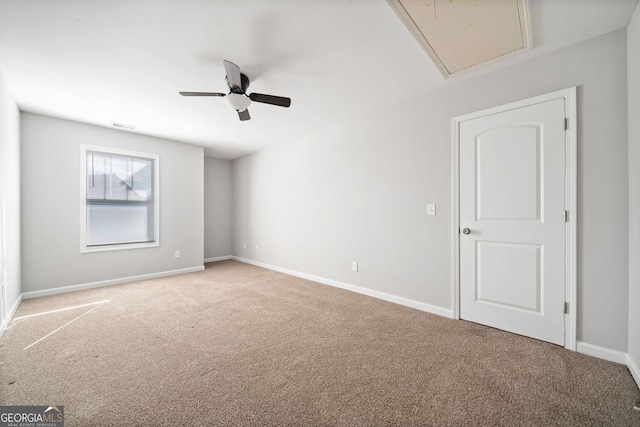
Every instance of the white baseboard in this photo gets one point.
(218, 258)
(634, 368)
(80, 287)
(602, 352)
(10, 314)
(440, 311)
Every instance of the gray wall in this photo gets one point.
(359, 192)
(10, 193)
(633, 63)
(217, 208)
(51, 206)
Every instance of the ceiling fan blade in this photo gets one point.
(244, 115)
(280, 101)
(202, 94)
(233, 76)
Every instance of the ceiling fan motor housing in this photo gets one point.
(244, 82)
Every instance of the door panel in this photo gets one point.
(512, 201)
(494, 284)
(503, 165)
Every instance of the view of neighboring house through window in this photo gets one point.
(120, 199)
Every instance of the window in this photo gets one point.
(119, 199)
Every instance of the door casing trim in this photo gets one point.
(571, 180)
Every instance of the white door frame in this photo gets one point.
(569, 95)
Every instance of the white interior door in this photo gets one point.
(512, 188)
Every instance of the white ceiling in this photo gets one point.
(104, 61)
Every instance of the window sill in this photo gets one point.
(122, 247)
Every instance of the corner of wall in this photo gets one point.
(4, 324)
(633, 99)
(10, 202)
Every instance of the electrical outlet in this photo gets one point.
(354, 266)
(177, 254)
(256, 248)
(244, 246)
(431, 209)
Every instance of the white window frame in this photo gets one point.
(83, 199)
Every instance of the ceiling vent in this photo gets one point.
(123, 125)
(460, 35)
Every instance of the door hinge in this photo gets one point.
(566, 308)
(566, 216)
(566, 123)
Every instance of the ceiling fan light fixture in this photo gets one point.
(238, 99)
(239, 102)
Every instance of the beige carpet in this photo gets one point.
(237, 345)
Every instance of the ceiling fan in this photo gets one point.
(237, 98)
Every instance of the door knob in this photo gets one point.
(466, 231)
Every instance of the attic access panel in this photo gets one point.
(462, 34)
